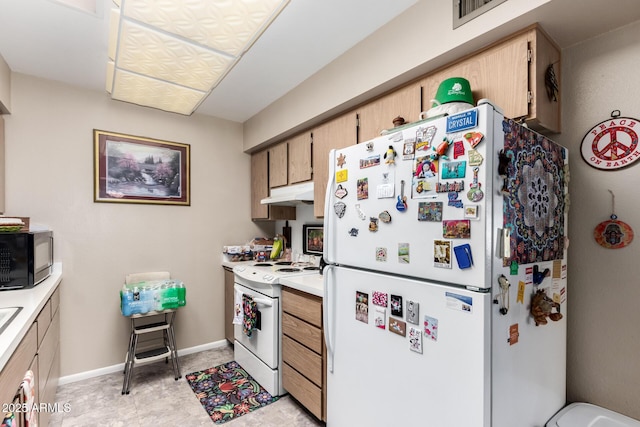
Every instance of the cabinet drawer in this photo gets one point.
(13, 372)
(55, 301)
(47, 351)
(303, 390)
(44, 320)
(302, 332)
(304, 306)
(302, 359)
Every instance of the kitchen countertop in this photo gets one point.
(31, 300)
(311, 284)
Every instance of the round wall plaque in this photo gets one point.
(612, 144)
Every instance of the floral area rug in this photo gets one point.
(227, 391)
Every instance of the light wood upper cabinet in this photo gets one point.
(278, 161)
(337, 133)
(260, 190)
(510, 73)
(300, 167)
(378, 115)
(259, 184)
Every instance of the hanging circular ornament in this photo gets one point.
(612, 144)
(613, 233)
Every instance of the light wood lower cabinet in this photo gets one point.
(304, 370)
(39, 351)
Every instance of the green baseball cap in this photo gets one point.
(454, 89)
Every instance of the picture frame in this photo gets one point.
(312, 239)
(136, 169)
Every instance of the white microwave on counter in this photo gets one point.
(26, 258)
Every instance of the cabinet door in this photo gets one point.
(278, 161)
(378, 115)
(299, 167)
(259, 184)
(544, 112)
(228, 304)
(337, 133)
(499, 73)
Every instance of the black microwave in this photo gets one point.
(26, 258)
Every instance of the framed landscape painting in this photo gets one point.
(134, 169)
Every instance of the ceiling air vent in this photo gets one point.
(465, 10)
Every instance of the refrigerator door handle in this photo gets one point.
(327, 250)
(327, 313)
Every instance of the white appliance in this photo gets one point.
(427, 302)
(261, 353)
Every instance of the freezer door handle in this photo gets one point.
(329, 216)
(327, 313)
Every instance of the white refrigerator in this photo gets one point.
(437, 237)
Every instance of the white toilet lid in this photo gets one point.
(587, 415)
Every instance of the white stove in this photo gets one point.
(260, 352)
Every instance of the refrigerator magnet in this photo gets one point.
(373, 224)
(471, 212)
(341, 192)
(453, 170)
(397, 327)
(430, 211)
(403, 253)
(362, 307)
(459, 302)
(381, 254)
(424, 137)
(342, 159)
(340, 208)
(415, 340)
(454, 201)
(380, 298)
(396, 305)
(458, 149)
(442, 253)
(409, 150)
(413, 312)
(342, 175)
(363, 188)
(463, 256)
(456, 229)
(370, 161)
(475, 158)
(380, 318)
(431, 328)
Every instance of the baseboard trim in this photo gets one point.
(120, 366)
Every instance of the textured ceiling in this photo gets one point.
(48, 39)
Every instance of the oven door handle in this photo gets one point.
(263, 301)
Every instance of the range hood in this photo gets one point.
(290, 195)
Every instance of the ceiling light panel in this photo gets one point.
(226, 25)
(154, 93)
(180, 48)
(163, 57)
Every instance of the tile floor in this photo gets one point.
(156, 399)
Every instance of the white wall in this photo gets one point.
(599, 76)
(49, 177)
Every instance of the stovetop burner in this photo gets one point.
(262, 264)
(288, 270)
(312, 268)
(284, 263)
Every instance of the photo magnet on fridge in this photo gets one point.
(413, 312)
(431, 328)
(380, 318)
(362, 307)
(380, 298)
(397, 327)
(415, 340)
(396, 305)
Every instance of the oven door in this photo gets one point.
(263, 342)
